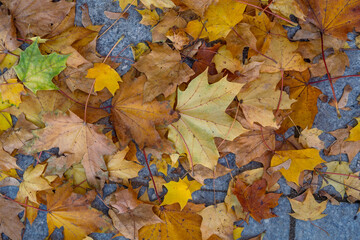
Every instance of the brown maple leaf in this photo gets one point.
(81, 142)
(9, 221)
(333, 17)
(254, 199)
(164, 70)
(73, 212)
(31, 22)
(129, 214)
(136, 120)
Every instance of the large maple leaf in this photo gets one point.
(333, 17)
(202, 110)
(136, 120)
(72, 211)
(81, 142)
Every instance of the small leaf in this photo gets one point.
(105, 76)
(37, 71)
(309, 209)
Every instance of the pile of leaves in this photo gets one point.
(219, 77)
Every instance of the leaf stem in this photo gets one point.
(75, 101)
(281, 90)
(22, 204)
(328, 74)
(152, 178)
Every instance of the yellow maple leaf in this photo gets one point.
(34, 181)
(354, 133)
(219, 18)
(158, 3)
(180, 192)
(149, 17)
(105, 76)
(176, 225)
(11, 91)
(120, 168)
(217, 220)
(73, 212)
(124, 3)
(309, 209)
(304, 159)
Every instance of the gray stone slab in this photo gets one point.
(341, 223)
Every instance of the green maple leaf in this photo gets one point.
(37, 71)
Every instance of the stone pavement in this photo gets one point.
(342, 221)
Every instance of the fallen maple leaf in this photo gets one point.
(217, 220)
(333, 17)
(11, 91)
(7, 162)
(304, 109)
(134, 119)
(81, 142)
(354, 133)
(336, 180)
(309, 209)
(300, 160)
(343, 145)
(258, 99)
(73, 212)
(37, 71)
(255, 200)
(30, 22)
(121, 169)
(249, 145)
(281, 54)
(202, 110)
(176, 225)
(158, 3)
(164, 71)
(10, 222)
(16, 137)
(34, 181)
(104, 76)
(220, 17)
(129, 214)
(180, 192)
